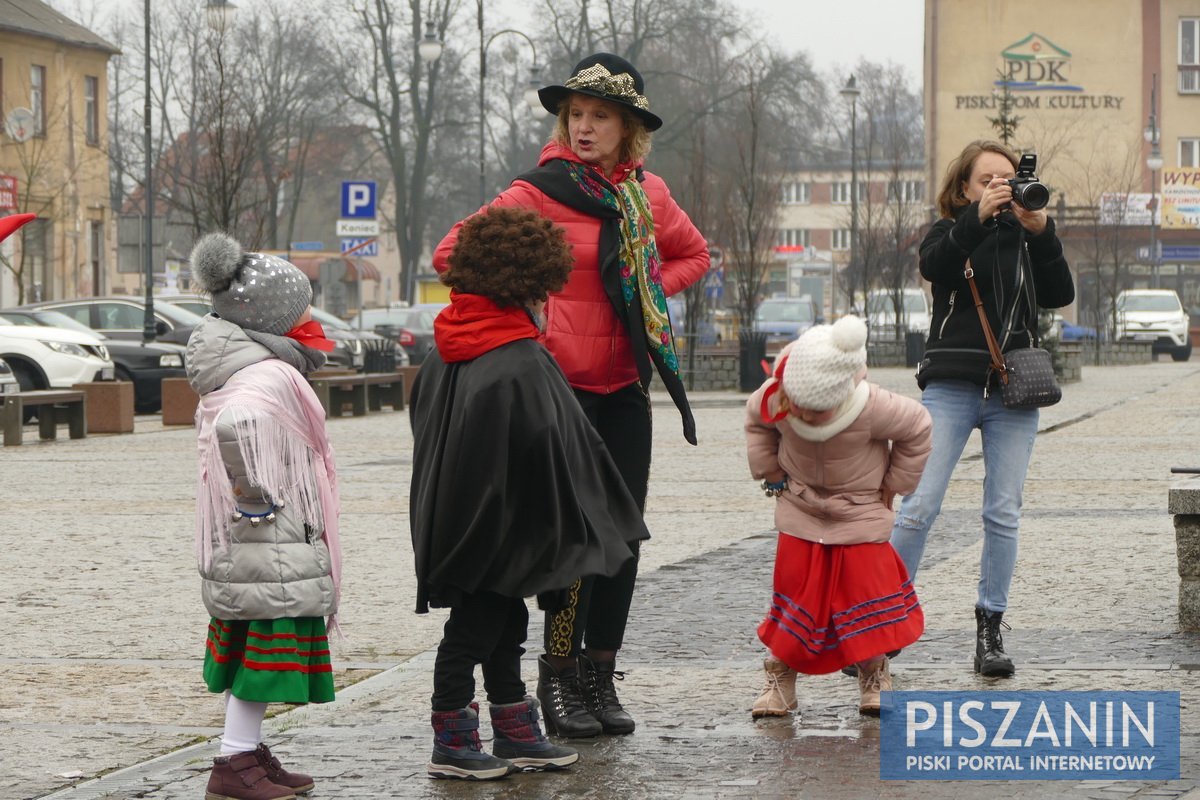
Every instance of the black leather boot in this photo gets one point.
(600, 695)
(990, 658)
(563, 707)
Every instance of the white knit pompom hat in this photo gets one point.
(822, 363)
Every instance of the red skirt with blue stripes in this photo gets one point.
(836, 605)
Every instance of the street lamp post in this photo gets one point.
(148, 327)
(219, 14)
(530, 95)
(1154, 163)
(429, 50)
(850, 92)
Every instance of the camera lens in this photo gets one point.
(1033, 196)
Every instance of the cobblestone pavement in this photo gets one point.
(105, 627)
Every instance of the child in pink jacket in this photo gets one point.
(834, 450)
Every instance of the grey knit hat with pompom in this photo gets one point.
(255, 291)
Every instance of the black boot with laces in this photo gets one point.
(990, 659)
(600, 695)
(563, 707)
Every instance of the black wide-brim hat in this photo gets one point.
(607, 77)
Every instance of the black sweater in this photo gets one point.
(1004, 271)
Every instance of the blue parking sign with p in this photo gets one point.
(358, 199)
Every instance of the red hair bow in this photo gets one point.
(774, 383)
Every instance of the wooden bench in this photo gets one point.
(52, 406)
(361, 392)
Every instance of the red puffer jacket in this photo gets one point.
(582, 329)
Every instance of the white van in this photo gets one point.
(881, 312)
(1154, 315)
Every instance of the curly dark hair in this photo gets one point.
(511, 256)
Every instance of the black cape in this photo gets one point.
(513, 491)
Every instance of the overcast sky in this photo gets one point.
(835, 33)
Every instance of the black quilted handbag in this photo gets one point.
(1026, 374)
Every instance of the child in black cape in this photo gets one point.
(508, 499)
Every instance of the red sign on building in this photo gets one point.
(8, 193)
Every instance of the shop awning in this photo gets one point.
(356, 268)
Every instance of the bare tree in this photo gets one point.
(889, 213)
(398, 92)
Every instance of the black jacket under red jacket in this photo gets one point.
(1013, 280)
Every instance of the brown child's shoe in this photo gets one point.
(778, 696)
(241, 777)
(297, 782)
(871, 682)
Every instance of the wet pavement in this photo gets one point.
(105, 637)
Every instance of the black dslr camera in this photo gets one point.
(1027, 191)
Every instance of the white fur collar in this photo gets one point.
(847, 412)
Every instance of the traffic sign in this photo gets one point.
(358, 200)
(308, 245)
(1171, 253)
(358, 227)
(361, 247)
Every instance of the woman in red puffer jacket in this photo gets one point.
(609, 331)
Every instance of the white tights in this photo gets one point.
(243, 725)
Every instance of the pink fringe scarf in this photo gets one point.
(281, 428)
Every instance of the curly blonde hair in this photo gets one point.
(512, 256)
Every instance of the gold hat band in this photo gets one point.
(597, 78)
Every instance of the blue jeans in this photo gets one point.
(958, 407)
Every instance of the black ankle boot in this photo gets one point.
(600, 695)
(563, 707)
(990, 658)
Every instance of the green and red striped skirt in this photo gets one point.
(270, 660)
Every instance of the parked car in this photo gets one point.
(351, 349)
(1066, 331)
(380, 354)
(1157, 316)
(881, 312)
(122, 317)
(8, 381)
(410, 326)
(142, 364)
(52, 358)
(706, 330)
(782, 319)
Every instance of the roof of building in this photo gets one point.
(35, 18)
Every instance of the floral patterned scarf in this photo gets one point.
(640, 266)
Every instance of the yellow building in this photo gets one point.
(53, 157)
(1085, 80)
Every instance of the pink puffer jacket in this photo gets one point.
(582, 329)
(834, 493)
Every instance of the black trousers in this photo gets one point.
(598, 607)
(487, 629)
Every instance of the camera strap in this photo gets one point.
(993, 345)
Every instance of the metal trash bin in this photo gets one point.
(752, 351)
(914, 348)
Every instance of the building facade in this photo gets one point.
(53, 154)
(816, 221)
(1100, 90)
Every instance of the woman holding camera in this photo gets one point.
(1018, 265)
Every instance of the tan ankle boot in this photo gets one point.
(872, 681)
(779, 692)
